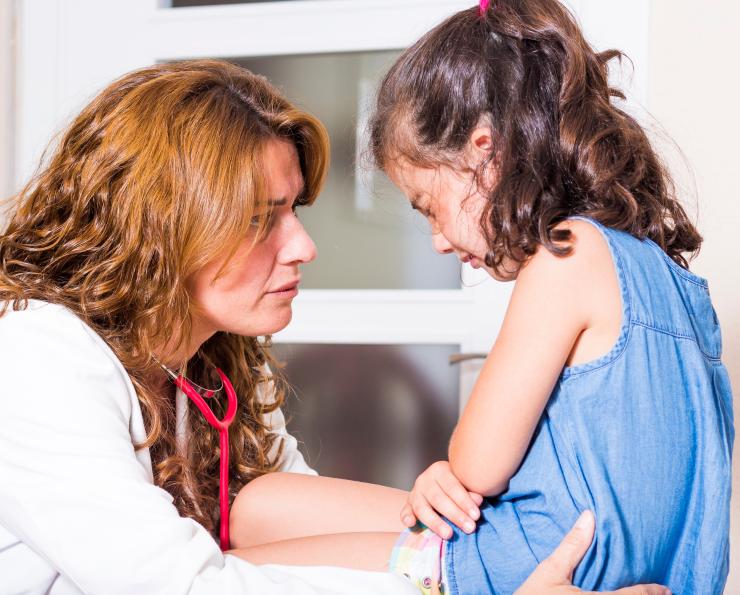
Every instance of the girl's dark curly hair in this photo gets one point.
(561, 145)
(159, 175)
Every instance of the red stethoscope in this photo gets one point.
(222, 425)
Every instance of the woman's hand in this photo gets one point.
(437, 491)
(554, 575)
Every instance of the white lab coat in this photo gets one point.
(79, 512)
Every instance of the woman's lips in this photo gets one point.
(285, 293)
(287, 290)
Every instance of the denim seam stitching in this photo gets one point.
(691, 338)
(661, 329)
(454, 589)
(679, 270)
(682, 273)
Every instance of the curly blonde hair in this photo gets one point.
(157, 176)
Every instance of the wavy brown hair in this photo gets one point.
(562, 146)
(157, 176)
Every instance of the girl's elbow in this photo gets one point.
(476, 477)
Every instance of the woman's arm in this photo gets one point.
(549, 308)
(282, 506)
(79, 498)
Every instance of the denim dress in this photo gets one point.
(641, 436)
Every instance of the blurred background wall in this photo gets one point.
(7, 91)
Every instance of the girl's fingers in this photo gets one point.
(407, 515)
(451, 486)
(444, 505)
(477, 498)
(425, 513)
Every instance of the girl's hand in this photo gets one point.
(437, 491)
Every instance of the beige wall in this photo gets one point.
(695, 95)
(7, 89)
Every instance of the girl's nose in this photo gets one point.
(441, 244)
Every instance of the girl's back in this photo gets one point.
(642, 436)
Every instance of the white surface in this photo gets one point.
(78, 510)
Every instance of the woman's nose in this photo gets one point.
(441, 244)
(298, 247)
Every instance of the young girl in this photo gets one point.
(604, 389)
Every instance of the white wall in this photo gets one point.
(694, 93)
(7, 91)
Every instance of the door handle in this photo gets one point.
(457, 358)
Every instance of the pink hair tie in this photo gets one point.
(484, 4)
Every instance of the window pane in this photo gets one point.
(374, 413)
(366, 233)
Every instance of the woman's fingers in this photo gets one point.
(564, 559)
(555, 573)
(645, 590)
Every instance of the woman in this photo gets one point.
(160, 235)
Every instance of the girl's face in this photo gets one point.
(452, 203)
(254, 294)
(453, 200)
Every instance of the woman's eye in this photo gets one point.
(257, 221)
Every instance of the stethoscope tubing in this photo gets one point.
(222, 425)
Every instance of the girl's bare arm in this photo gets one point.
(554, 300)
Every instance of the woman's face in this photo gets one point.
(254, 294)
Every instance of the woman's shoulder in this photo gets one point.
(46, 337)
(46, 322)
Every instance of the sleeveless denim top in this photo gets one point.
(641, 436)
